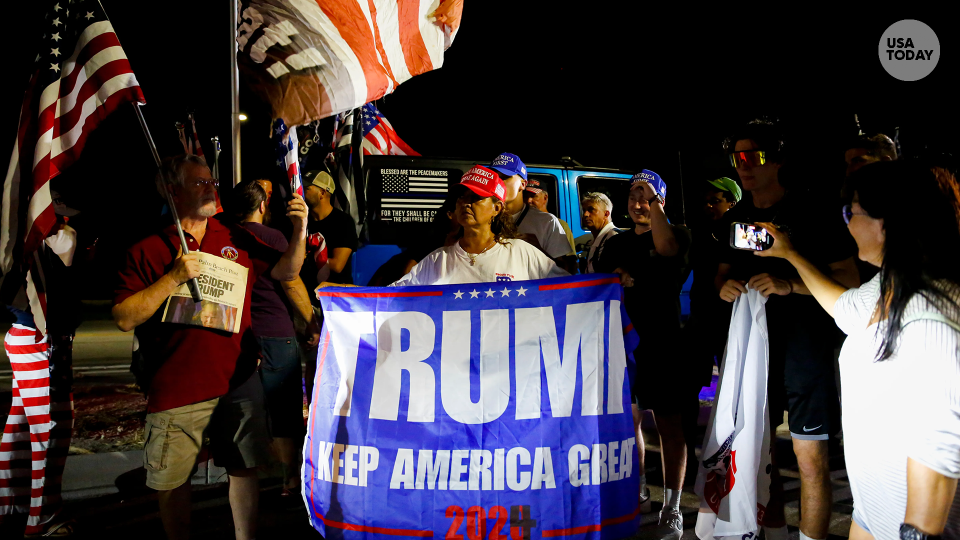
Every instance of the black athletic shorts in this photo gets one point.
(661, 382)
(802, 377)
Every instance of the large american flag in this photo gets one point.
(81, 75)
(313, 59)
(288, 154)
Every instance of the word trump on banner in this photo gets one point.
(431, 400)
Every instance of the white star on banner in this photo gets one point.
(521, 292)
(89, 15)
(279, 130)
(458, 295)
(505, 292)
(55, 37)
(56, 7)
(55, 67)
(474, 293)
(490, 293)
(56, 22)
(55, 52)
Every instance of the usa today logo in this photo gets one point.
(909, 50)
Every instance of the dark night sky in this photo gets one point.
(612, 84)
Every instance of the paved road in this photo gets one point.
(101, 354)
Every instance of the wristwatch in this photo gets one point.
(909, 532)
(656, 198)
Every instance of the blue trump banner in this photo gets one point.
(474, 411)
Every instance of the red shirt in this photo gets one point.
(193, 363)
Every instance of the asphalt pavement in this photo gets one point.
(101, 354)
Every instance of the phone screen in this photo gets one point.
(747, 236)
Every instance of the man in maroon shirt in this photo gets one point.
(203, 380)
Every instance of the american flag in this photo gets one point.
(408, 192)
(80, 75)
(288, 154)
(379, 137)
(311, 60)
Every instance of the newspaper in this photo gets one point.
(223, 286)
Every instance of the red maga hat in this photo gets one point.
(484, 182)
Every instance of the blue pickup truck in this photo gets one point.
(403, 194)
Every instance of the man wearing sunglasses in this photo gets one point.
(801, 338)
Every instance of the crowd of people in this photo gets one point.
(880, 271)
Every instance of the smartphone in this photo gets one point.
(747, 236)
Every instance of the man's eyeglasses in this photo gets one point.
(849, 213)
(204, 183)
(749, 158)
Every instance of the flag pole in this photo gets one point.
(193, 284)
(234, 94)
(216, 156)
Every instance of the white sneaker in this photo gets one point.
(646, 504)
(671, 524)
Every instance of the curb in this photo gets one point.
(95, 475)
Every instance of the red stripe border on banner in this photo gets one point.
(591, 528)
(375, 530)
(579, 284)
(380, 295)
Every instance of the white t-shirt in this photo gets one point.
(546, 227)
(515, 260)
(905, 406)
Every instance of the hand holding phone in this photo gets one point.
(749, 237)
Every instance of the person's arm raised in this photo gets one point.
(288, 267)
(299, 297)
(137, 309)
(820, 285)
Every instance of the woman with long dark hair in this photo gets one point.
(487, 250)
(900, 363)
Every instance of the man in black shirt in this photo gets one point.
(802, 336)
(650, 259)
(335, 228)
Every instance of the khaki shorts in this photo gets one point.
(235, 424)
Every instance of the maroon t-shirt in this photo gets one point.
(194, 363)
(270, 312)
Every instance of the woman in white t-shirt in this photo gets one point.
(900, 364)
(487, 251)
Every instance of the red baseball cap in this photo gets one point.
(484, 182)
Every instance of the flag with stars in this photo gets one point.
(288, 154)
(379, 137)
(80, 75)
(400, 192)
(511, 394)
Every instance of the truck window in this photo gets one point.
(618, 189)
(549, 183)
